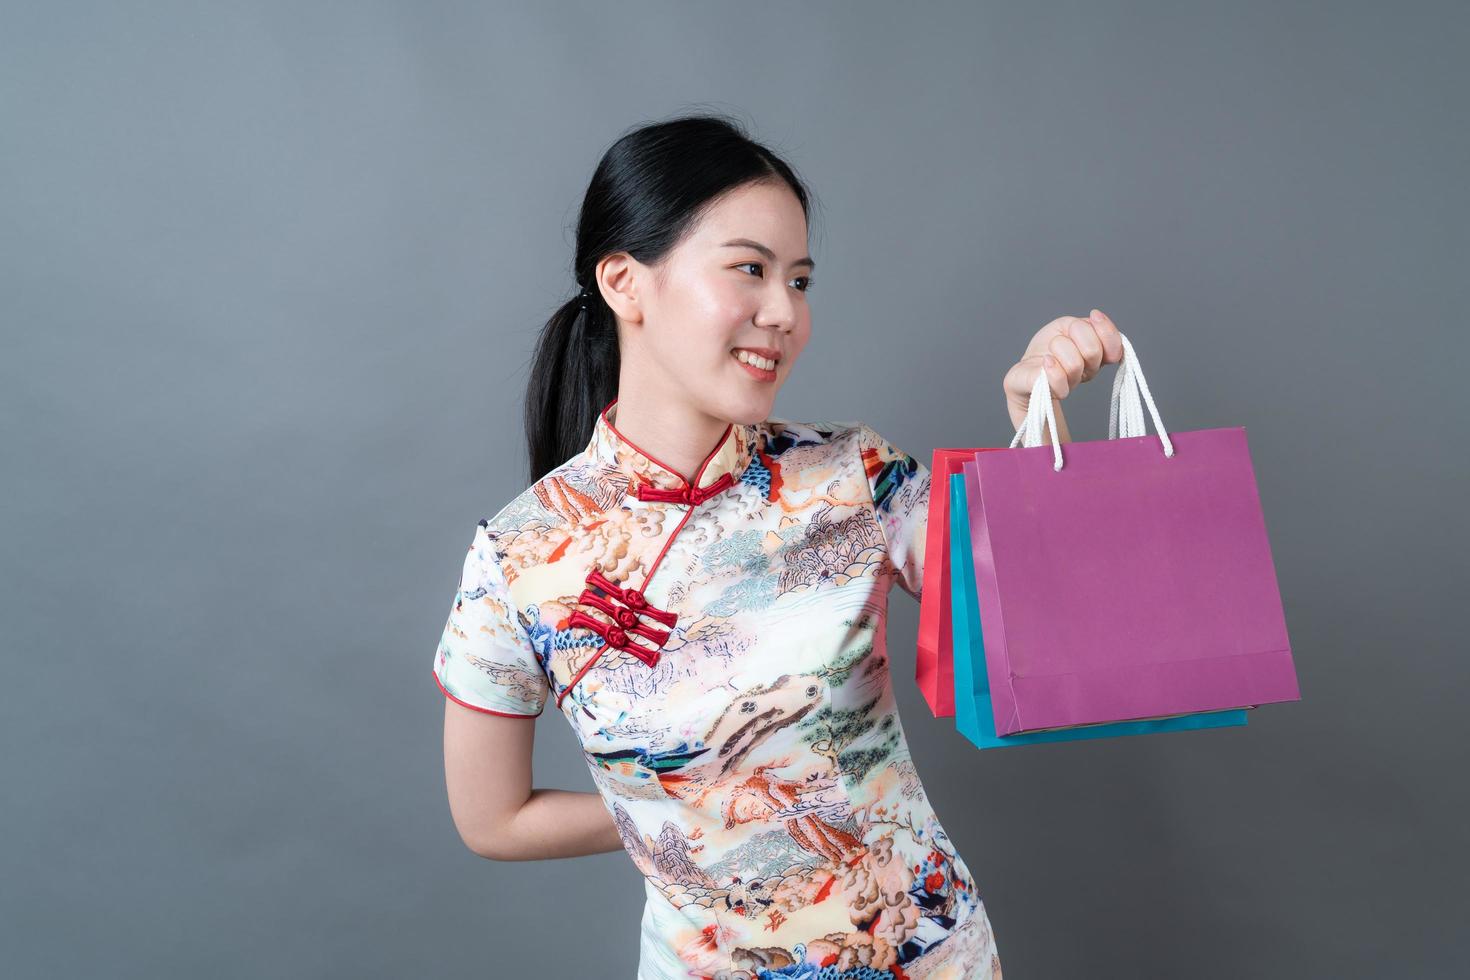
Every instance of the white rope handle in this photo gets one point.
(1038, 408)
(1125, 411)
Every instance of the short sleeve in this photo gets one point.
(899, 485)
(485, 659)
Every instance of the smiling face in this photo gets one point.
(724, 316)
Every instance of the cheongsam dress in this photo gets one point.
(718, 647)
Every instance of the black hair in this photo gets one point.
(646, 193)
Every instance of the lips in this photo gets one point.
(769, 353)
(762, 369)
(768, 357)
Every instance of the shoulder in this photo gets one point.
(783, 434)
(571, 492)
(847, 440)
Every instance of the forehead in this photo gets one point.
(767, 213)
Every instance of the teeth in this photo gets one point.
(756, 360)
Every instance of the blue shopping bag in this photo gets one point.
(973, 714)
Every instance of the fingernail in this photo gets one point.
(1096, 314)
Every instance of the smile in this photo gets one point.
(756, 365)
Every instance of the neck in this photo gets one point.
(678, 436)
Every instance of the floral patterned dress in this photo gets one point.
(719, 649)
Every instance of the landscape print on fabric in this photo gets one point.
(718, 646)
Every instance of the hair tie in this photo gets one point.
(584, 296)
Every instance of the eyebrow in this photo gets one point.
(805, 260)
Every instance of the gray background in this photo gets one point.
(271, 274)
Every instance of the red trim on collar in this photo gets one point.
(729, 428)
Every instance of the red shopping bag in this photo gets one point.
(934, 669)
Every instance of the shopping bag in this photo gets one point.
(974, 717)
(1134, 582)
(934, 667)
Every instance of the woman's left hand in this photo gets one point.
(1071, 350)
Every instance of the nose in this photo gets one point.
(779, 313)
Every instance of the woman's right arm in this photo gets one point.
(487, 770)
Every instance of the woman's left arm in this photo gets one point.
(1071, 350)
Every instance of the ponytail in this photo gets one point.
(574, 374)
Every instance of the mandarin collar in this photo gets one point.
(650, 479)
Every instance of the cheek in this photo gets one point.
(713, 319)
(728, 315)
(706, 295)
(696, 343)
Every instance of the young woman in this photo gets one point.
(701, 591)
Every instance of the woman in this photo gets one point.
(701, 591)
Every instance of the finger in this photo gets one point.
(1056, 377)
(1064, 349)
(1084, 335)
(1107, 332)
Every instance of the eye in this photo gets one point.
(806, 279)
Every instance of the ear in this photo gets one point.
(623, 281)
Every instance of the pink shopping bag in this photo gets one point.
(1126, 578)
